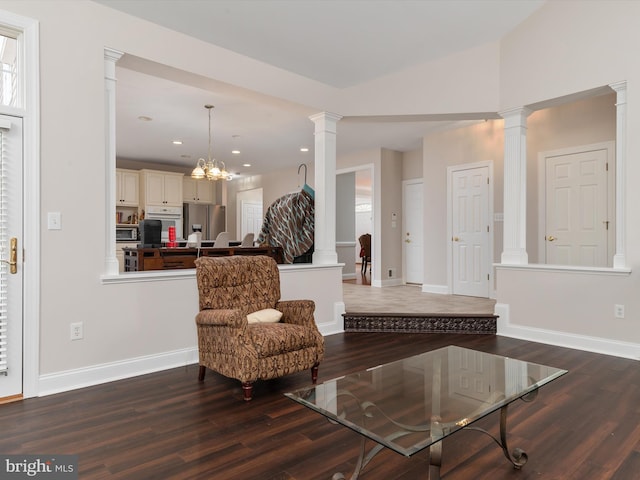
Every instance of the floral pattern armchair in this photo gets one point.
(229, 289)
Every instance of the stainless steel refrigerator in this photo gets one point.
(209, 219)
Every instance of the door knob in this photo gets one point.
(455, 239)
(407, 240)
(551, 238)
(13, 256)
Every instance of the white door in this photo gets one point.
(576, 209)
(251, 218)
(413, 244)
(470, 231)
(11, 321)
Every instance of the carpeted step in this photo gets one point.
(420, 323)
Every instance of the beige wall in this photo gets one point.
(390, 230)
(412, 165)
(481, 142)
(126, 322)
(539, 63)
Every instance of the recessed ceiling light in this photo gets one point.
(235, 152)
(246, 164)
(304, 149)
(144, 118)
(177, 142)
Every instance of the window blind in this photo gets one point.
(4, 252)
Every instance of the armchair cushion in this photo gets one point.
(271, 339)
(266, 315)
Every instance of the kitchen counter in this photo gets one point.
(145, 259)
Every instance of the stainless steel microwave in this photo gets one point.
(126, 233)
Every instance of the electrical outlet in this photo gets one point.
(618, 311)
(76, 331)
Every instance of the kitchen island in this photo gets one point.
(145, 259)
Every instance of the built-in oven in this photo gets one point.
(170, 217)
(126, 233)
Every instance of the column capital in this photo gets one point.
(325, 121)
(112, 55)
(515, 117)
(619, 86)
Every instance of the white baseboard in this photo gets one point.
(109, 372)
(348, 276)
(391, 282)
(587, 343)
(337, 324)
(441, 289)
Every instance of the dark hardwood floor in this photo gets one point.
(167, 425)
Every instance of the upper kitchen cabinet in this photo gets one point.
(127, 182)
(161, 188)
(197, 191)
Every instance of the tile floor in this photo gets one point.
(359, 297)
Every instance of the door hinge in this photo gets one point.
(606, 166)
(606, 224)
(487, 228)
(487, 276)
(487, 180)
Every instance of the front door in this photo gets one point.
(11, 228)
(413, 244)
(470, 231)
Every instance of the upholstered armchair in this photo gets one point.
(231, 288)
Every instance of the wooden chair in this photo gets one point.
(230, 288)
(365, 252)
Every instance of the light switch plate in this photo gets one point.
(54, 221)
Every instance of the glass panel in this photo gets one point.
(8, 71)
(412, 403)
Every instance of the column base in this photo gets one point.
(514, 257)
(325, 257)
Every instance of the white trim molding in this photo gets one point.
(439, 289)
(603, 346)
(109, 372)
(111, 56)
(619, 259)
(28, 30)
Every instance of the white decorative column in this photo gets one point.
(325, 188)
(110, 59)
(619, 259)
(515, 186)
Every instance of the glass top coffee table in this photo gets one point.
(412, 404)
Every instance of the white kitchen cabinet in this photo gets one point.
(127, 185)
(120, 253)
(162, 189)
(197, 191)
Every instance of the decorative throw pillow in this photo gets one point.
(268, 315)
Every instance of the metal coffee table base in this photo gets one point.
(517, 458)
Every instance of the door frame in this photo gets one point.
(29, 57)
(414, 181)
(610, 147)
(489, 259)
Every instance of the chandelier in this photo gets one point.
(211, 169)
